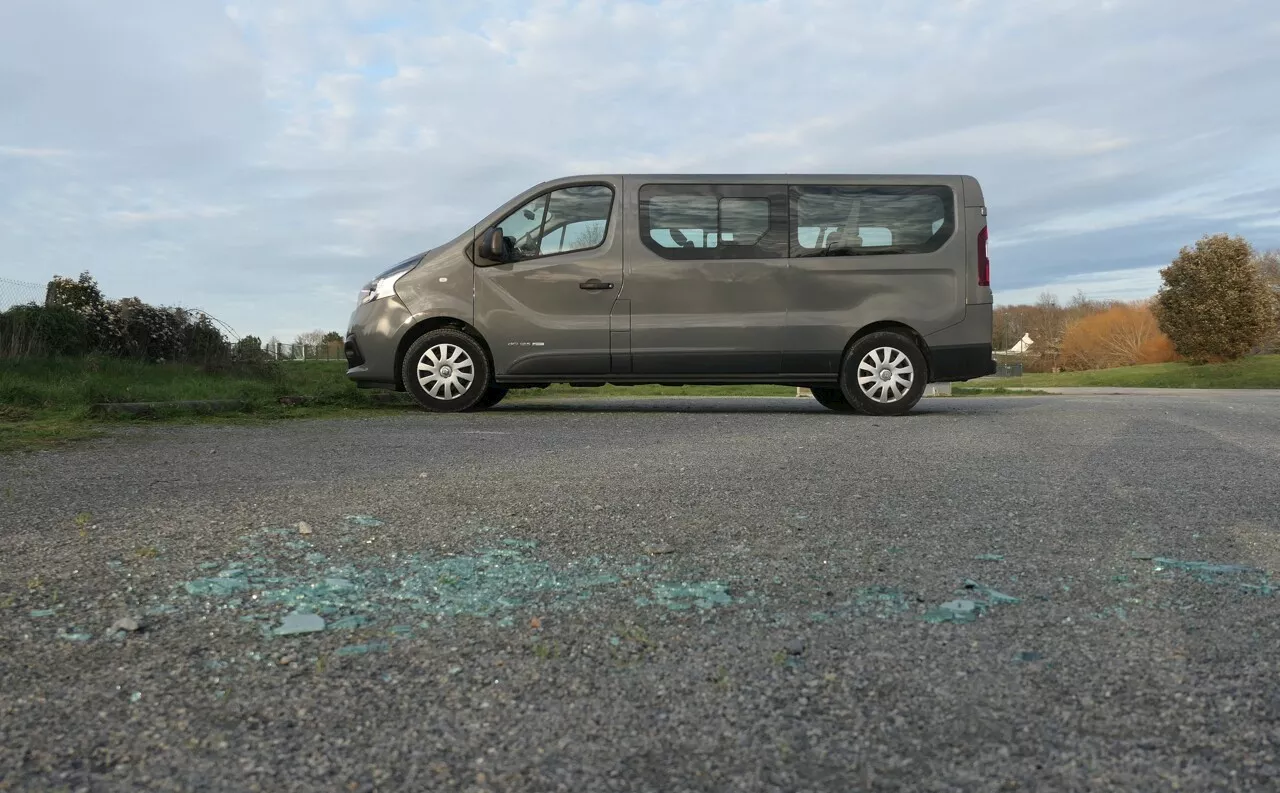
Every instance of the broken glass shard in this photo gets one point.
(990, 595)
(362, 649)
(219, 586)
(349, 623)
(300, 623)
(962, 610)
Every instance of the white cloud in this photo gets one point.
(314, 141)
(34, 153)
(168, 214)
(1132, 284)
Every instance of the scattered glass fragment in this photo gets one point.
(300, 623)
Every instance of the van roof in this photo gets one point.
(969, 186)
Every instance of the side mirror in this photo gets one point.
(492, 245)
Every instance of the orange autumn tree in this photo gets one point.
(1123, 335)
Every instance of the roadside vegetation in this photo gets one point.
(1219, 301)
(46, 401)
(1258, 371)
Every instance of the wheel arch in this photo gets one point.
(895, 327)
(426, 326)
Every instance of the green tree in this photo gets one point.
(332, 335)
(1214, 304)
(248, 350)
(1269, 265)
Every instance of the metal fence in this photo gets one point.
(326, 351)
(21, 332)
(17, 293)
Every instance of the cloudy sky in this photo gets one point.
(260, 159)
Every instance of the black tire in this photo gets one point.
(832, 398)
(897, 355)
(491, 397)
(444, 342)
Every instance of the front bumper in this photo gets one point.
(351, 351)
(372, 342)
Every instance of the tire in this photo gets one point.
(832, 399)
(450, 363)
(491, 397)
(884, 374)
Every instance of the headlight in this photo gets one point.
(379, 288)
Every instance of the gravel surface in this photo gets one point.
(659, 595)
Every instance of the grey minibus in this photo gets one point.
(861, 288)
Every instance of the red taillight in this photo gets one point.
(984, 264)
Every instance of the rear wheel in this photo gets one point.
(491, 397)
(446, 371)
(884, 374)
(832, 399)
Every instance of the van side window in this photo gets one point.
(838, 220)
(713, 221)
(564, 220)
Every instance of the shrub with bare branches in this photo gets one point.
(1123, 335)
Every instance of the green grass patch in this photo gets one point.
(47, 402)
(78, 383)
(1258, 371)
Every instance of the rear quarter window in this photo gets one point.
(852, 220)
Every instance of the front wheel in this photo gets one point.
(446, 371)
(832, 399)
(884, 374)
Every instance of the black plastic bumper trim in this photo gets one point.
(961, 362)
(351, 350)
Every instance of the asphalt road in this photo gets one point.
(658, 595)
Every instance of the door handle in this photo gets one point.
(595, 283)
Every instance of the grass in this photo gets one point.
(44, 403)
(1259, 371)
(47, 402)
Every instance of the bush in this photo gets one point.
(1269, 267)
(41, 331)
(130, 328)
(249, 350)
(1214, 303)
(203, 343)
(1123, 335)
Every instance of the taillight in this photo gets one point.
(984, 264)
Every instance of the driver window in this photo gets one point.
(526, 220)
(569, 219)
